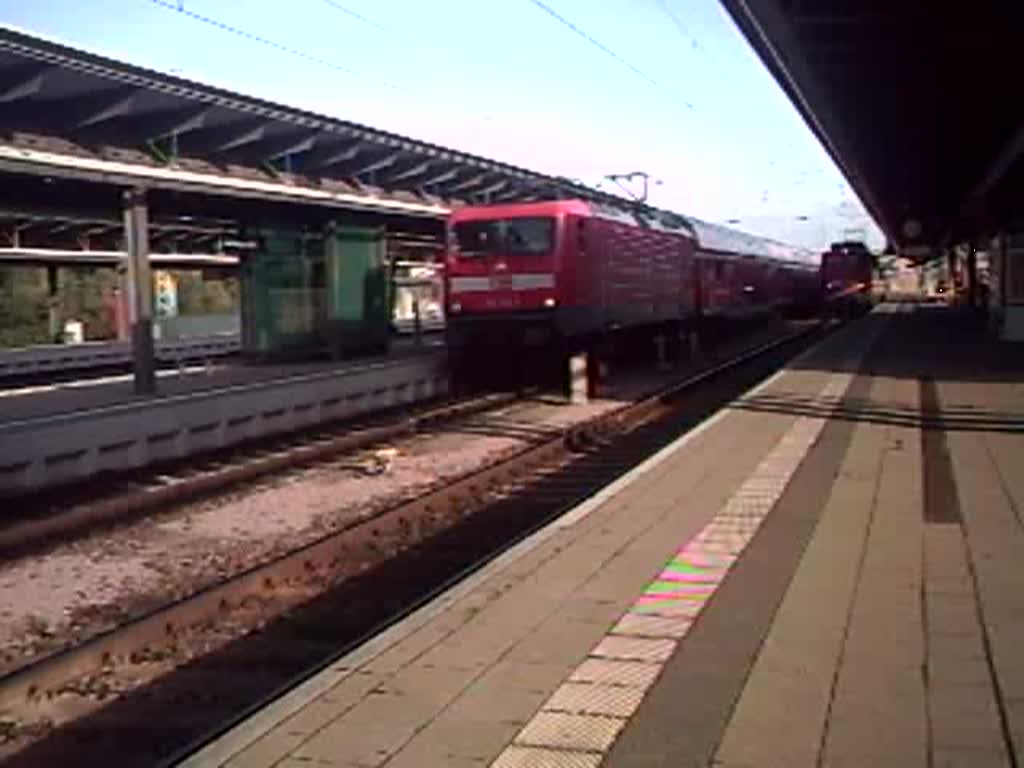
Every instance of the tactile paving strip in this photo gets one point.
(591, 699)
(561, 730)
(634, 649)
(538, 757)
(581, 720)
(632, 674)
(638, 625)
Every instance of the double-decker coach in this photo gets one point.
(741, 275)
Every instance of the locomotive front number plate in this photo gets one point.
(502, 282)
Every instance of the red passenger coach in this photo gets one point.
(562, 273)
(742, 275)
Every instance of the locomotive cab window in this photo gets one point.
(521, 236)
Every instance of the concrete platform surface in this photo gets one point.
(825, 573)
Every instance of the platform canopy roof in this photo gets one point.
(116, 118)
(98, 125)
(915, 101)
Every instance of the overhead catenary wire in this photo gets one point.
(598, 44)
(367, 21)
(712, 59)
(610, 52)
(427, 46)
(178, 7)
(482, 116)
(719, 126)
(684, 31)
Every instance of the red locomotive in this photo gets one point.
(563, 275)
(847, 274)
(562, 272)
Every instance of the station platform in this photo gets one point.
(825, 573)
(73, 432)
(41, 400)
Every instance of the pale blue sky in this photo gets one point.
(505, 79)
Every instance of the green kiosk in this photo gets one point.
(359, 296)
(307, 292)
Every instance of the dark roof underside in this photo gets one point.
(914, 101)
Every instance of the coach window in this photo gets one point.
(581, 238)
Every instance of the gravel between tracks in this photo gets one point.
(60, 597)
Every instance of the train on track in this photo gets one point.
(847, 277)
(564, 276)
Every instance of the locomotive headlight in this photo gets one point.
(549, 302)
(455, 307)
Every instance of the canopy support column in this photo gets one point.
(140, 289)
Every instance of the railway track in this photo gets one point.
(57, 516)
(114, 695)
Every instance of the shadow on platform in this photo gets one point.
(933, 345)
(864, 410)
(932, 341)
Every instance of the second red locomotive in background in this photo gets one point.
(847, 276)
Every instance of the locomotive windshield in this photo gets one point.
(506, 236)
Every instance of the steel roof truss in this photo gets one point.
(408, 173)
(486, 194)
(289, 146)
(371, 166)
(242, 138)
(324, 157)
(439, 178)
(468, 184)
(217, 139)
(93, 109)
(175, 122)
(22, 81)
